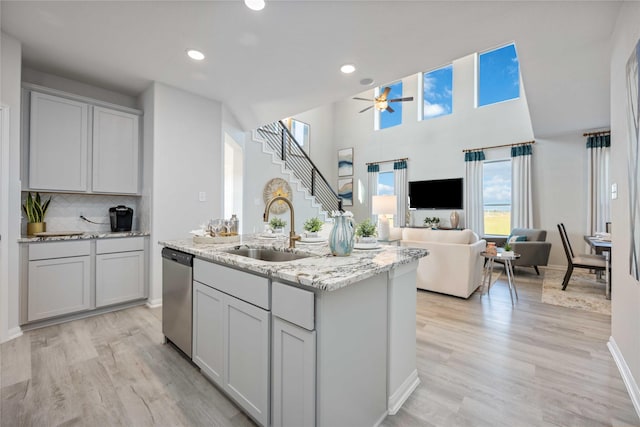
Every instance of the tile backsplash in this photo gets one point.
(65, 210)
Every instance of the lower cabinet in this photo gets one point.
(231, 346)
(294, 375)
(58, 286)
(119, 277)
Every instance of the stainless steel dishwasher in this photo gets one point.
(177, 304)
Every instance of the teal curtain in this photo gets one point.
(598, 190)
(402, 192)
(598, 141)
(521, 193)
(372, 180)
(473, 200)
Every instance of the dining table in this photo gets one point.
(602, 246)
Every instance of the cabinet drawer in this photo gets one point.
(245, 286)
(48, 250)
(106, 246)
(294, 305)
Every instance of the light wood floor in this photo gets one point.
(481, 363)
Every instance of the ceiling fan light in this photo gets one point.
(348, 68)
(254, 4)
(381, 105)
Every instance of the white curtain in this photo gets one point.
(521, 199)
(401, 189)
(599, 202)
(473, 202)
(372, 177)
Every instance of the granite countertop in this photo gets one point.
(84, 236)
(321, 271)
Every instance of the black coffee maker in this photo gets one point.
(121, 218)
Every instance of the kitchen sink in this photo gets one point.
(271, 255)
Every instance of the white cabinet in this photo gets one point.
(115, 151)
(81, 147)
(59, 279)
(231, 337)
(294, 357)
(59, 143)
(119, 270)
(208, 331)
(294, 375)
(246, 339)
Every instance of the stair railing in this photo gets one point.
(280, 140)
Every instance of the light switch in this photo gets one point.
(202, 196)
(614, 191)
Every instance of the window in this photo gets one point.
(388, 119)
(496, 194)
(437, 92)
(498, 76)
(233, 171)
(385, 183)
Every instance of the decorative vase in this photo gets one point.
(311, 234)
(36, 227)
(342, 236)
(368, 240)
(455, 219)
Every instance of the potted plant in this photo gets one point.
(432, 222)
(35, 211)
(508, 250)
(366, 231)
(312, 226)
(277, 224)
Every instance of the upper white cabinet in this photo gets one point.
(81, 147)
(115, 151)
(59, 142)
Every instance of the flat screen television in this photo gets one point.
(436, 194)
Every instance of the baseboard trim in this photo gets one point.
(397, 399)
(381, 419)
(154, 303)
(625, 372)
(12, 334)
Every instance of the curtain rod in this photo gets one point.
(387, 161)
(601, 132)
(467, 150)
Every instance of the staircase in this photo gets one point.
(284, 149)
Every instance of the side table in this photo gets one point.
(507, 258)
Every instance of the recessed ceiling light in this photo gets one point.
(366, 82)
(195, 54)
(254, 4)
(348, 68)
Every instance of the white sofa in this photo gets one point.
(454, 264)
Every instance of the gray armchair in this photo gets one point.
(534, 252)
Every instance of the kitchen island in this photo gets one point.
(322, 340)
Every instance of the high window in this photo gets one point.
(387, 119)
(437, 92)
(496, 194)
(498, 75)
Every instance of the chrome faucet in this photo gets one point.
(292, 234)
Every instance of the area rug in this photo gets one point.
(584, 291)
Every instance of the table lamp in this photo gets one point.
(383, 206)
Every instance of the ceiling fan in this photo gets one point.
(381, 103)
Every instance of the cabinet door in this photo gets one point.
(115, 151)
(246, 376)
(58, 143)
(208, 331)
(119, 277)
(58, 286)
(294, 375)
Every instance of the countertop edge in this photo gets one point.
(87, 235)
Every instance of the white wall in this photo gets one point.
(625, 304)
(434, 147)
(10, 96)
(321, 152)
(187, 159)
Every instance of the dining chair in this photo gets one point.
(591, 262)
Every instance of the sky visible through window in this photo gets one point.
(388, 119)
(385, 184)
(496, 193)
(437, 92)
(499, 76)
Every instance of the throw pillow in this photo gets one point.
(512, 239)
